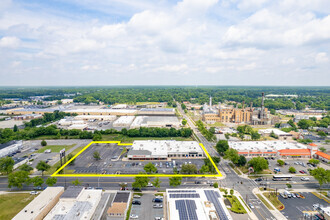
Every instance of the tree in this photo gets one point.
(43, 143)
(232, 155)
(26, 168)
(70, 157)
(175, 181)
(59, 102)
(156, 183)
(322, 149)
(189, 169)
(222, 146)
(123, 186)
(204, 169)
(97, 137)
(184, 122)
(37, 181)
(51, 181)
(322, 133)
(215, 185)
(255, 135)
(150, 168)
(292, 170)
(15, 129)
(305, 124)
(42, 166)
(140, 181)
(321, 175)
(231, 192)
(212, 130)
(6, 165)
(241, 161)
(183, 106)
(96, 155)
(258, 163)
(18, 178)
(76, 182)
(280, 162)
(314, 161)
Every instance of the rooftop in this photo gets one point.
(265, 146)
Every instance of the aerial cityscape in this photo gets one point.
(165, 110)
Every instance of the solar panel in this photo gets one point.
(181, 191)
(187, 209)
(185, 195)
(213, 197)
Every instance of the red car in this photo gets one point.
(301, 171)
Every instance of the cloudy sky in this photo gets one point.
(188, 42)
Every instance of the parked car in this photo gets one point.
(301, 171)
(157, 206)
(157, 200)
(37, 188)
(150, 185)
(137, 196)
(34, 193)
(258, 179)
(134, 216)
(297, 195)
(136, 202)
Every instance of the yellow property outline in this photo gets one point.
(56, 174)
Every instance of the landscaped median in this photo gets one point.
(273, 198)
(236, 206)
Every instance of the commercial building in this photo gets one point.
(283, 149)
(96, 117)
(156, 121)
(123, 121)
(165, 150)
(78, 126)
(281, 135)
(201, 204)
(38, 208)
(70, 121)
(29, 111)
(77, 203)
(119, 205)
(10, 147)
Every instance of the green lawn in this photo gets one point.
(13, 203)
(55, 148)
(236, 206)
(274, 200)
(265, 202)
(125, 139)
(216, 124)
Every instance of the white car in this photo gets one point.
(157, 206)
(150, 185)
(136, 196)
(304, 179)
(159, 197)
(134, 216)
(34, 193)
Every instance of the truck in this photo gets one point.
(277, 169)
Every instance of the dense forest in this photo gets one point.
(316, 97)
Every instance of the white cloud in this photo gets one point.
(90, 67)
(9, 42)
(321, 58)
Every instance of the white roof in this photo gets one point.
(265, 146)
(276, 131)
(78, 126)
(124, 120)
(98, 117)
(36, 206)
(126, 111)
(164, 147)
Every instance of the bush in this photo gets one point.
(43, 143)
(215, 185)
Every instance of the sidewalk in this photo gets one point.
(277, 214)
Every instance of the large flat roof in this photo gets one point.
(265, 146)
(33, 209)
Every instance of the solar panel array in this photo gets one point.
(187, 209)
(181, 191)
(185, 195)
(213, 197)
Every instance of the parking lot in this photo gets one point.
(302, 166)
(294, 207)
(111, 163)
(146, 210)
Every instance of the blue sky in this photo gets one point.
(189, 42)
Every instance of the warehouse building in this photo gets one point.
(77, 203)
(38, 208)
(96, 117)
(156, 121)
(284, 149)
(10, 147)
(123, 121)
(98, 111)
(27, 116)
(281, 135)
(165, 150)
(156, 111)
(196, 204)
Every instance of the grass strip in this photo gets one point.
(13, 203)
(265, 202)
(274, 200)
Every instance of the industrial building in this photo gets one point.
(70, 121)
(95, 117)
(165, 150)
(248, 115)
(38, 208)
(196, 204)
(101, 111)
(75, 204)
(281, 135)
(27, 116)
(156, 111)
(123, 121)
(10, 147)
(156, 121)
(283, 149)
